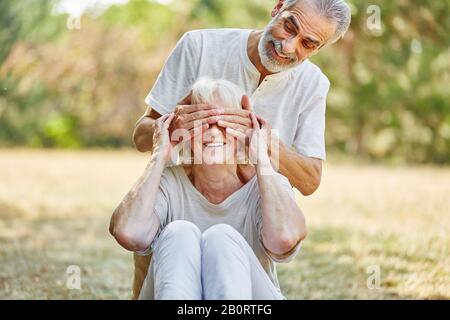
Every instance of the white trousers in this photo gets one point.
(216, 265)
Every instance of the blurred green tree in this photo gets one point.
(389, 97)
(22, 21)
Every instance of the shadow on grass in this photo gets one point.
(333, 264)
(36, 253)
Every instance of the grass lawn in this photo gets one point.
(55, 208)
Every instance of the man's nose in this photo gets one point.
(289, 45)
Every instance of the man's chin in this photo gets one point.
(274, 66)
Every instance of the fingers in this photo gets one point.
(202, 114)
(236, 119)
(231, 133)
(181, 135)
(261, 120)
(232, 125)
(161, 120)
(186, 109)
(264, 123)
(245, 102)
(167, 120)
(237, 112)
(255, 122)
(196, 131)
(191, 124)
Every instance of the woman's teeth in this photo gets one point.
(214, 144)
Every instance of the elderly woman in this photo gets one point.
(212, 235)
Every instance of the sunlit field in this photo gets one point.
(55, 208)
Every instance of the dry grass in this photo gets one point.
(55, 208)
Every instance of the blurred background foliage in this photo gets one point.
(65, 87)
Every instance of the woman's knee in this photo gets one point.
(181, 229)
(220, 234)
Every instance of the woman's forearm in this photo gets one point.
(283, 223)
(133, 223)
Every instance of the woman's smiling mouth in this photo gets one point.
(214, 144)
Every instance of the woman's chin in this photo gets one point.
(211, 160)
(217, 159)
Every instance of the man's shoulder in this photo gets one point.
(220, 34)
(313, 74)
(217, 31)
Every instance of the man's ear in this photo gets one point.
(245, 103)
(186, 99)
(277, 8)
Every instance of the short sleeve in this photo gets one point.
(177, 75)
(287, 257)
(161, 210)
(310, 135)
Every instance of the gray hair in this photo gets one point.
(221, 92)
(337, 11)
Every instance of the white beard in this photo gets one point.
(265, 54)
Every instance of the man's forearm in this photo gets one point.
(304, 173)
(143, 134)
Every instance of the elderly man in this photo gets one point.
(285, 89)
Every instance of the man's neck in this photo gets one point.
(253, 54)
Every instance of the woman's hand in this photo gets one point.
(162, 145)
(256, 142)
(258, 149)
(164, 141)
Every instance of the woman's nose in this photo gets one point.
(213, 132)
(214, 128)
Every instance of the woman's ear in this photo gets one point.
(277, 8)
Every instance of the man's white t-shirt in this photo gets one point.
(292, 101)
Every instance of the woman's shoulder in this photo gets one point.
(170, 176)
(175, 175)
